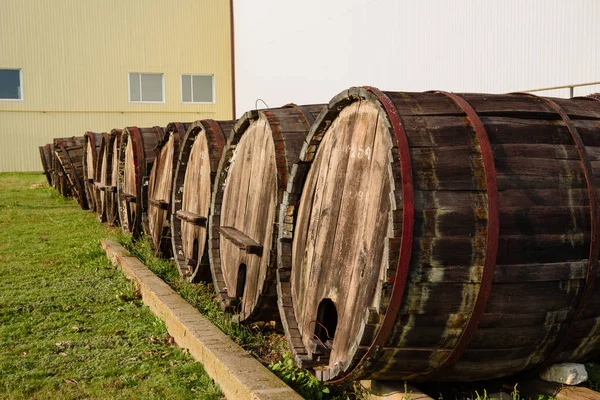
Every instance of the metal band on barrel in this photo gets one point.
(590, 277)
(493, 229)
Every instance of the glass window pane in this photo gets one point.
(203, 89)
(134, 87)
(152, 88)
(186, 88)
(10, 84)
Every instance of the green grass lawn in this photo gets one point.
(71, 326)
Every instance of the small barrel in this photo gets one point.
(70, 156)
(251, 180)
(45, 156)
(435, 236)
(160, 186)
(194, 179)
(91, 145)
(105, 180)
(135, 158)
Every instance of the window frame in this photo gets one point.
(21, 97)
(214, 96)
(162, 77)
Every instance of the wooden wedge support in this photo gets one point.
(163, 205)
(129, 198)
(191, 217)
(241, 240)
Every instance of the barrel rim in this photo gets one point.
(288, 217)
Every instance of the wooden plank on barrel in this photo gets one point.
(191, 217)
(241, 240)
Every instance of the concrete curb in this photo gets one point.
(239, 375)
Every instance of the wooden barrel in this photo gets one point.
(160, 188)
(91, 145)
(135, 158)
(198, 161)
(45, 156)
(105, 180)
(251, 180)
(59, 177)
(434, 236)
(70, 156)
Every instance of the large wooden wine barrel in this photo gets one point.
(198, 161)
(46, 157)
(251, 179)
(435, 236)
(70, 156)
(105, 180)
(91, 145)
(160, 188)
(135, 158)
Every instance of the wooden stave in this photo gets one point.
(144, 141)
(46, 163)
(70, 154)
(91, 191)
(111, 212)
(388, 370)
(161, 241)
(265, 307)
(215, 132)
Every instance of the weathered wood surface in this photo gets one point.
(251, 179)
(197, 164)
(136, 156)
(343, 220)
(105, 179)
(46, 158)
(91, 146)
(70, 156)
(160, 188)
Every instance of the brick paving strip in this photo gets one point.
(239, 375)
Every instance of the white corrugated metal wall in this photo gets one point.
(307, 51)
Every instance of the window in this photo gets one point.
(146, 88)
(10, 84)
(197, 88)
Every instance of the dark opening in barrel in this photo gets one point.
(160, 187)
(135, 159)
(195, 173)
(252, 177)
(454, 235)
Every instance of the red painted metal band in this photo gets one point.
(493, 229)
(408, 220)
(590, 278)
(307, 115)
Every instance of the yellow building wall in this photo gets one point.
(75, 56)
